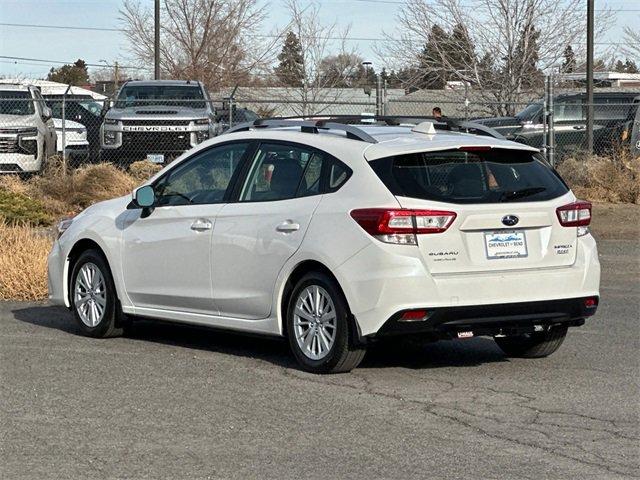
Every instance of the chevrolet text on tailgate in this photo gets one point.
(335, 234)
(156, 120)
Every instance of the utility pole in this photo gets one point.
(590, 20)
(116, 72)
(378, 95)
(157, 41)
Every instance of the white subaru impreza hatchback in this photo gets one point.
(335, 235)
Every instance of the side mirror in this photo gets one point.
(144, 196)
(46, 113)
(105, 108)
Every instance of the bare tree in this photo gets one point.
(632, 43)
(513, 42)
(213, 41)
(323, 76)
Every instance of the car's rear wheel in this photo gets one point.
(533, 345)
(93, 296)
(318, 326)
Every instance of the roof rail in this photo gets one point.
(346, 123)
(306, 126)
(442, 123)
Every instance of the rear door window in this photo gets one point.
(282, 171)
(568, 111)
(455, 176)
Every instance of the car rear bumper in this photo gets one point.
(378, 284)
(494, 319)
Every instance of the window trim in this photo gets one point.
(251, 144)
(324, 187)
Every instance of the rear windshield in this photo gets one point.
(455, 176)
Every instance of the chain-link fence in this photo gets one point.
(82, 130)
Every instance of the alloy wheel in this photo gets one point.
(90, 296)
(314, 322)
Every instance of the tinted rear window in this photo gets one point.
(454, 176)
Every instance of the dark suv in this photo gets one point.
(611, 109)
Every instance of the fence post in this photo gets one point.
(466, 100)
(552, 130)
(64, 128)
(378, 95)
(545, 119)
(231, 111)
(385, 100)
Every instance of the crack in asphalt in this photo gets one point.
(449, 412)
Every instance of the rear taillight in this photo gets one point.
(402, 226)
(576, 214)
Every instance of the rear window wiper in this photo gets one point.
(525, 192)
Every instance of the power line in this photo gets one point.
(402, 2)
(25, 59)
(355, 39)
(30, 61)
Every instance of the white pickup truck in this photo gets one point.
(27, 131)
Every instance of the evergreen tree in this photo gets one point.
(619, 67)
(526, 59)
(569, 63)
(433, 73)
(74, 74)
(487, 70)
(460, 53)
(630, 66)
(290, 69)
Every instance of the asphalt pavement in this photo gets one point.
(174, 401)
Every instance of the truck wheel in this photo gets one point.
(318, 326)
(533, 345)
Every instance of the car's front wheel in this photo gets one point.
(318, 326)
(93, 296)
(533, 345)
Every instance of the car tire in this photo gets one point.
(93, 297)
(533, 345)
(319, 328)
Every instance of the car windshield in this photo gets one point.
(93, 107)
(456, 176)
(166, 95)
(530, 112)
(15, 102)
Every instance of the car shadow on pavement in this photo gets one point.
(396, 352)
(421, 354)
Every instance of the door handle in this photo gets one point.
(288, 227)
(201, 225)
(579, 127)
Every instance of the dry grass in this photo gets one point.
(143, 170)
(613, 179)
(67, 193)
(23, 262)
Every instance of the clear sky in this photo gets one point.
(367, 19)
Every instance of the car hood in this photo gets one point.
(499, 122)
(15, 121)
(109, 208)
(155, 112)
(68, 124)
